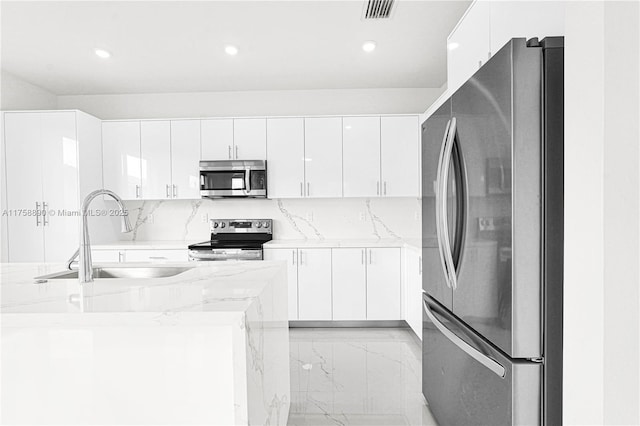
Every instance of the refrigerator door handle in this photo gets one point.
(474, 353)
(446, 161)
(439, 201)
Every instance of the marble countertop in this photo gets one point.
(212, 287)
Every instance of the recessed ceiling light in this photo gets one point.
(101, 53)
(453, 45)
(369, 46)
(231, 50)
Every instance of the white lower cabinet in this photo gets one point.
(290, 257)
(383, 284)
(314, 284)
(349, 276)
(413, 293)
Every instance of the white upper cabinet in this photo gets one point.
(121, 158)
(155, 155)
(217, 139)
(383, 283)
(361, 156)
(285, 157)
(249, 139)
(469, 45)
(323, 157)
(400, 156)
(185, 158)
(349, 284)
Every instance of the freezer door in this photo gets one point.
(498, 134)
(434, 132)
(466, 381)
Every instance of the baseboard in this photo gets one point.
(349, 324)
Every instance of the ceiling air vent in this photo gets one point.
(378, 9)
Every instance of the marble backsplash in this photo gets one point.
(333, 218)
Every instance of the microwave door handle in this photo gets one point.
(247, 180)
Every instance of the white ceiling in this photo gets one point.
(178, 46)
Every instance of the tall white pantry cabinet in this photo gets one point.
(52, 160)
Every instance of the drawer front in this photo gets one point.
(156, 255)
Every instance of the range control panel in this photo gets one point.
(232, 226)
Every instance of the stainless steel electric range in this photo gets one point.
(233, 239)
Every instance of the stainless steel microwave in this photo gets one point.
(225, 179)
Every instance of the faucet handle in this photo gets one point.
(72, 259)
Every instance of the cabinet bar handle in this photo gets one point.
(362, 257)
(236, 152)
(293, 257)
(420, 265)
(45, 221)
(175, 191)
(385, 187)
(168, 193)
(301, 193)
(370, 257)
(301, 253)
(38, 213)
(137, 191)
(120, 257)
(229, 152)
(377, 187)
(308, 189)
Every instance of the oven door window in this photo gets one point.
(222, 180)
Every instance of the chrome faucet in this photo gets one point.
(85, 267)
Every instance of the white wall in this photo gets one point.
(253, 103)
(602, 327)
(17, 94)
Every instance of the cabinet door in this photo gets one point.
(121, 158)
(60, 184)
(155, 152)
(383, 284)
(23, 156)
(250, 139)
(216, 139)
(349, 285)
(160, 255)
(285, 157)
(399, 155)
(185, 158)
(361, 156)
(314, 284)
(323, 157)
(469, 45)
(290, 257)
(413, 295)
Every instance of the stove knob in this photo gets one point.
(265, 224)
(222, 224)
(215, 224)
(259, 225)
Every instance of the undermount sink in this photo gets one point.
(130, 272)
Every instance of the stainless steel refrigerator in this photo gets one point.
(492, 197)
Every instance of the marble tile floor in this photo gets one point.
(356, 376)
